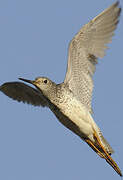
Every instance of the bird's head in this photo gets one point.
(45, 85)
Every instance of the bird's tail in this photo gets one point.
(102, 152)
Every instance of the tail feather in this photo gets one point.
(105, 143)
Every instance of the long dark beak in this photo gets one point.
(28, 81)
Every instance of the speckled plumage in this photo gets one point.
(70, 101)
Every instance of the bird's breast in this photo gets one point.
(76, 112)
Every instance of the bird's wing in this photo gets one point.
(22, 92)
(85, 48)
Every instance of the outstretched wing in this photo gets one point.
(85, 48)
(22, 92)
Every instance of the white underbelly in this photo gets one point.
(77, 113)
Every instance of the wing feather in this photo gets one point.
(89, 44)
(23, 93)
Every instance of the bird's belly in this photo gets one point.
(78, 114)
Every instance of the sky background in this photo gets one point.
(34, 37)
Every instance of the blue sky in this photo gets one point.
(34, 37)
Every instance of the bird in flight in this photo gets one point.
(70, 101)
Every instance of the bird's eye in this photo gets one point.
(45, 81)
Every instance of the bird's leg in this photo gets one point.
(91, 144)
(100, 145)
(106, 156)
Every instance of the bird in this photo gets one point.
(71, 100)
